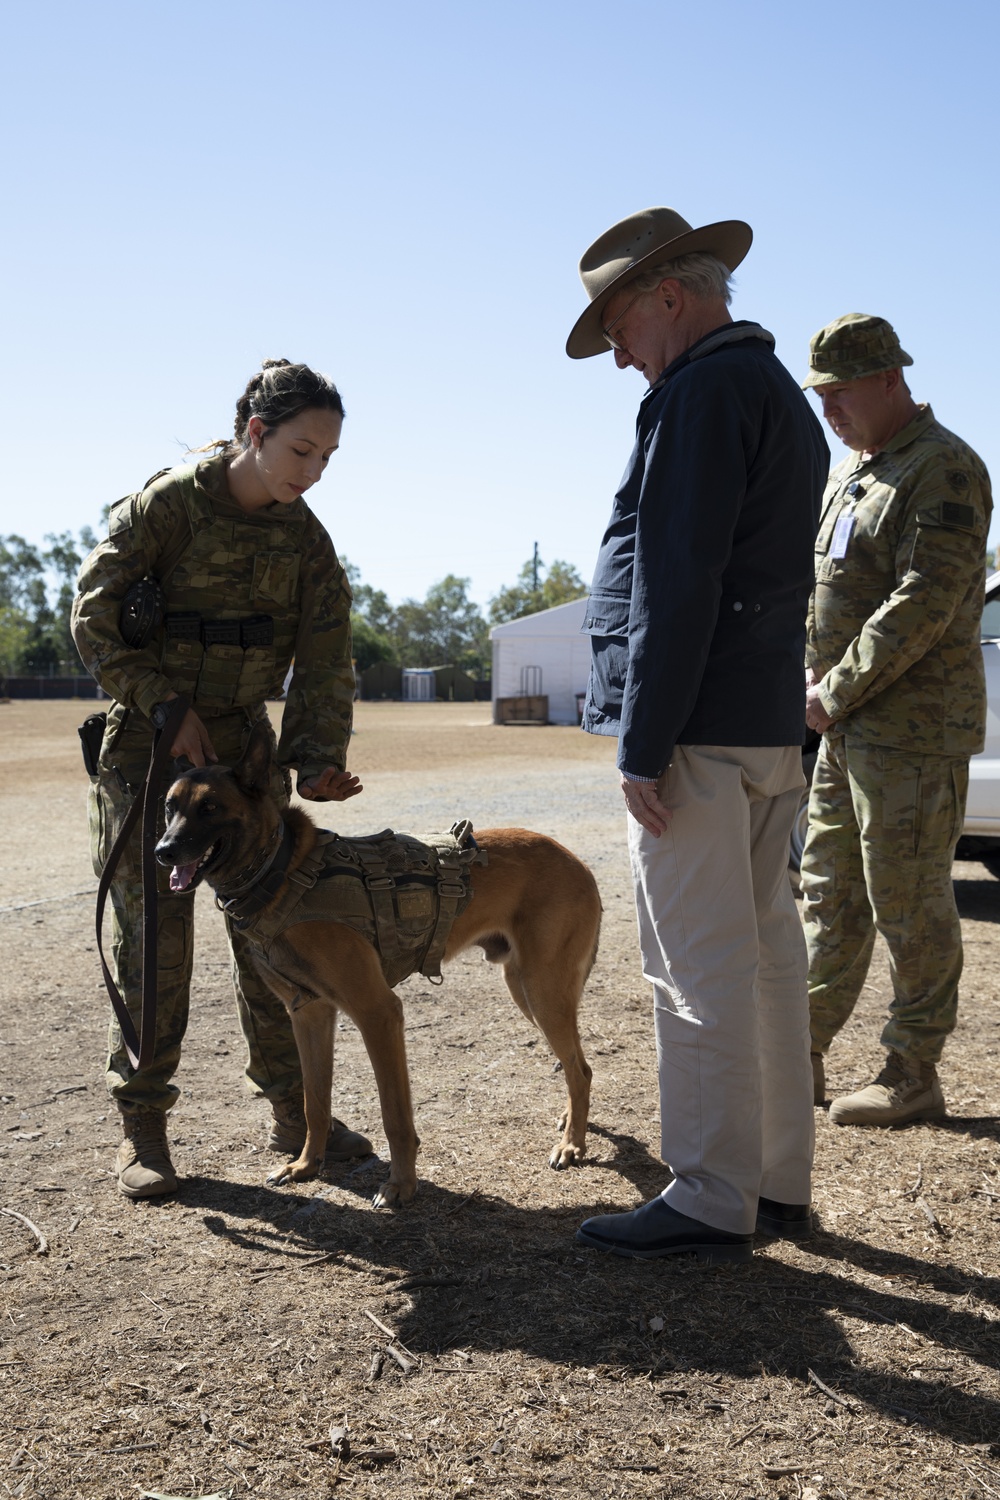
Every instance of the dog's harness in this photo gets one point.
(401, 893)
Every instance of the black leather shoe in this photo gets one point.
(656, 1229)
(784, 1221)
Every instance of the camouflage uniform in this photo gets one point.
(280, 563)
(893, 632)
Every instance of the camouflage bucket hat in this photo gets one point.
(636, 244)
(852, 347)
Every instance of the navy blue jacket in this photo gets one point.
(697, 611)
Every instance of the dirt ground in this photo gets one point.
(207, 1344)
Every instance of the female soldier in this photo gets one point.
(251, 581)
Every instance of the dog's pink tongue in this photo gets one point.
(181, 877)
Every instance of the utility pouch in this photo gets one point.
(257, 630)
(91, 733)
(185, 626)
(220, 633)
(143, 611)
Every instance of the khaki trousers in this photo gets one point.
(722, 946)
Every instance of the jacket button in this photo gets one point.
(756, 609)
(737, 605)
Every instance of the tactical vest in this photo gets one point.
(401, 893)
(232, 604)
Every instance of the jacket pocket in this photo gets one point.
(607, 614)
(257, 673)
(182, 665)
(220, 673)
(606, 622)
(276, 578)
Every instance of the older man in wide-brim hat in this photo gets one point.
(896, 688)
(697, 620)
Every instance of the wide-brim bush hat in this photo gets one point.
(852, 347)
(642, 240)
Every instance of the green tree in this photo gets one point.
(36, 612)
(371, 614)
(25, 604)
(444, 629)
(560, 584)
(63, 559)
(447, 629)
(22, 575)
(368, 645)
(14, 633)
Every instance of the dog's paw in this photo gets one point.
(565, 1155)
(393, 1194)
(294, 1171)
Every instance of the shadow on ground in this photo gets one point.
(479, 1273)
(978, 900)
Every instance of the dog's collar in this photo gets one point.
(260, 882)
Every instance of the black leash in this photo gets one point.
(140, 1047)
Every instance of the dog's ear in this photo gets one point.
(253, 772)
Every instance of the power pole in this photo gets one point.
(534, 571)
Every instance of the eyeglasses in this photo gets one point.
(607, 331)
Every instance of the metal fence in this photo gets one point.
(50, 687)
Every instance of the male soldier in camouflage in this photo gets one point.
(895, 685)
(250, 580)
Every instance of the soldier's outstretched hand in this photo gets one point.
(330, 786)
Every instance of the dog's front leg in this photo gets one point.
(379, 1018)
(313, 1027)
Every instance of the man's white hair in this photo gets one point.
(700, 274)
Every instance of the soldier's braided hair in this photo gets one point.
(278, 392)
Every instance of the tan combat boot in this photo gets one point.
(905, 1090)
(143, 1161)
(819, 1078)
(288, 1133)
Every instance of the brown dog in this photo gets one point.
(535, 909)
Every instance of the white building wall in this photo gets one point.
(550, 640)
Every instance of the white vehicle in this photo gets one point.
(981, 832)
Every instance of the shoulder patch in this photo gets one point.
(950, 514)
(958, 479)
(120, 516)
(953, 514)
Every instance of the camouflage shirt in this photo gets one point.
(894, 620)
(278, 563)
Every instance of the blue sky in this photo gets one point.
(399, 195)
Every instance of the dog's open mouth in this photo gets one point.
(182, 877)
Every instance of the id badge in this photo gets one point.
(842, 535)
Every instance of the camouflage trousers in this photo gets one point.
(883, 825)
(272, 1067)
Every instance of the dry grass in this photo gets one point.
(208, 1344)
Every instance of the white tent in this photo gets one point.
(548, 644)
